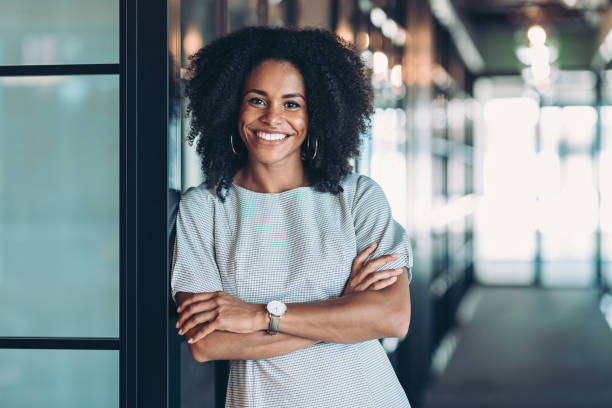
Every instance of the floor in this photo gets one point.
(529, 347)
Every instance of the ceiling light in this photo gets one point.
(536, 35)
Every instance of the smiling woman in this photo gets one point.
(285, 262)
(330, 75)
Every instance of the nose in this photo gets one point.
(272, 116)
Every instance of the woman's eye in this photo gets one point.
(292, 105)
(256, 101)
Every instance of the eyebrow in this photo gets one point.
(264, 93)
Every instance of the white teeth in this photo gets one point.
(270, 136)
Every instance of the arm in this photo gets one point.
(255, 344)
(352, 318)
(224, 345)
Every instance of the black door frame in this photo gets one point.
(145, 91)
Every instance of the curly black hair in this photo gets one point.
(338, 92)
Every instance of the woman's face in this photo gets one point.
(273, 119)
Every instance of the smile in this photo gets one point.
(271, 137)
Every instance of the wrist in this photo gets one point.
(262, 318)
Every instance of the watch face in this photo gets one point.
(277, 308)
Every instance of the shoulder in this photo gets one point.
(197, 197)
(359, 186)
(361, 192)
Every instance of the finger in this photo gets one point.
(381, 284)
(361, 258)
(197, 297)
(380, 261)
(377, 276)
(196, 308)
(204, 331)
(372, 266)
(197, 319)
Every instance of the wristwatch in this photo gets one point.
(276, 310)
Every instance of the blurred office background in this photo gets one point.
(492, 139)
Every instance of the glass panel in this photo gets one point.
(605, 188)
(59, 211)
(567, 195)
(242, 13)
(59, 32)
(198, 25)
(388, 162)
(59, 378)
(506, 217)
(276, 13)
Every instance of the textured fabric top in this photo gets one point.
(294, 246)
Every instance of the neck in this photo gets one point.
(271, 179)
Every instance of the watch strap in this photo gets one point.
(274, 322)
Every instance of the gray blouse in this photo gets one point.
(294, 246)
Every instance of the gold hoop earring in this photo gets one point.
(232, 144)
(316, 146)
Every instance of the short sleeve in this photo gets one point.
(374, 223)
(194, 269)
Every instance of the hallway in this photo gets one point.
(529, 347)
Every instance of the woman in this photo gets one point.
(271, 263)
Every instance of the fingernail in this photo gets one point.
(374, 245)
(395, 256)
(190, 341)
(177, 325)
(393, 279)
(180, 331)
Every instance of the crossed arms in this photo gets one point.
(374, 304)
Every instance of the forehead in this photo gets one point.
(273, 75)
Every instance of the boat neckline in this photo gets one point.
(240, 188)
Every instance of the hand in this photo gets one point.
(363, 276)
(218, 311)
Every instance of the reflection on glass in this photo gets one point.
(242, 13)
(198, 25)
(198, 28)
(34, 32)
(59, 212)
(276, 13)
(59, 378)
(387, 163)
(605, 183)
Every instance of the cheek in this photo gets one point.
(301, 124)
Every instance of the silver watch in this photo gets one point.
(276, 310)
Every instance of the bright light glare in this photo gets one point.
(396, 75)
(536, 35)
(192, 41)
(389, 28)
(380, 63)
(400, 37)
(540, 66)
(455, 210)
(378, 17)
(506, 215)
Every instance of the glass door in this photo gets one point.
(59, 203)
